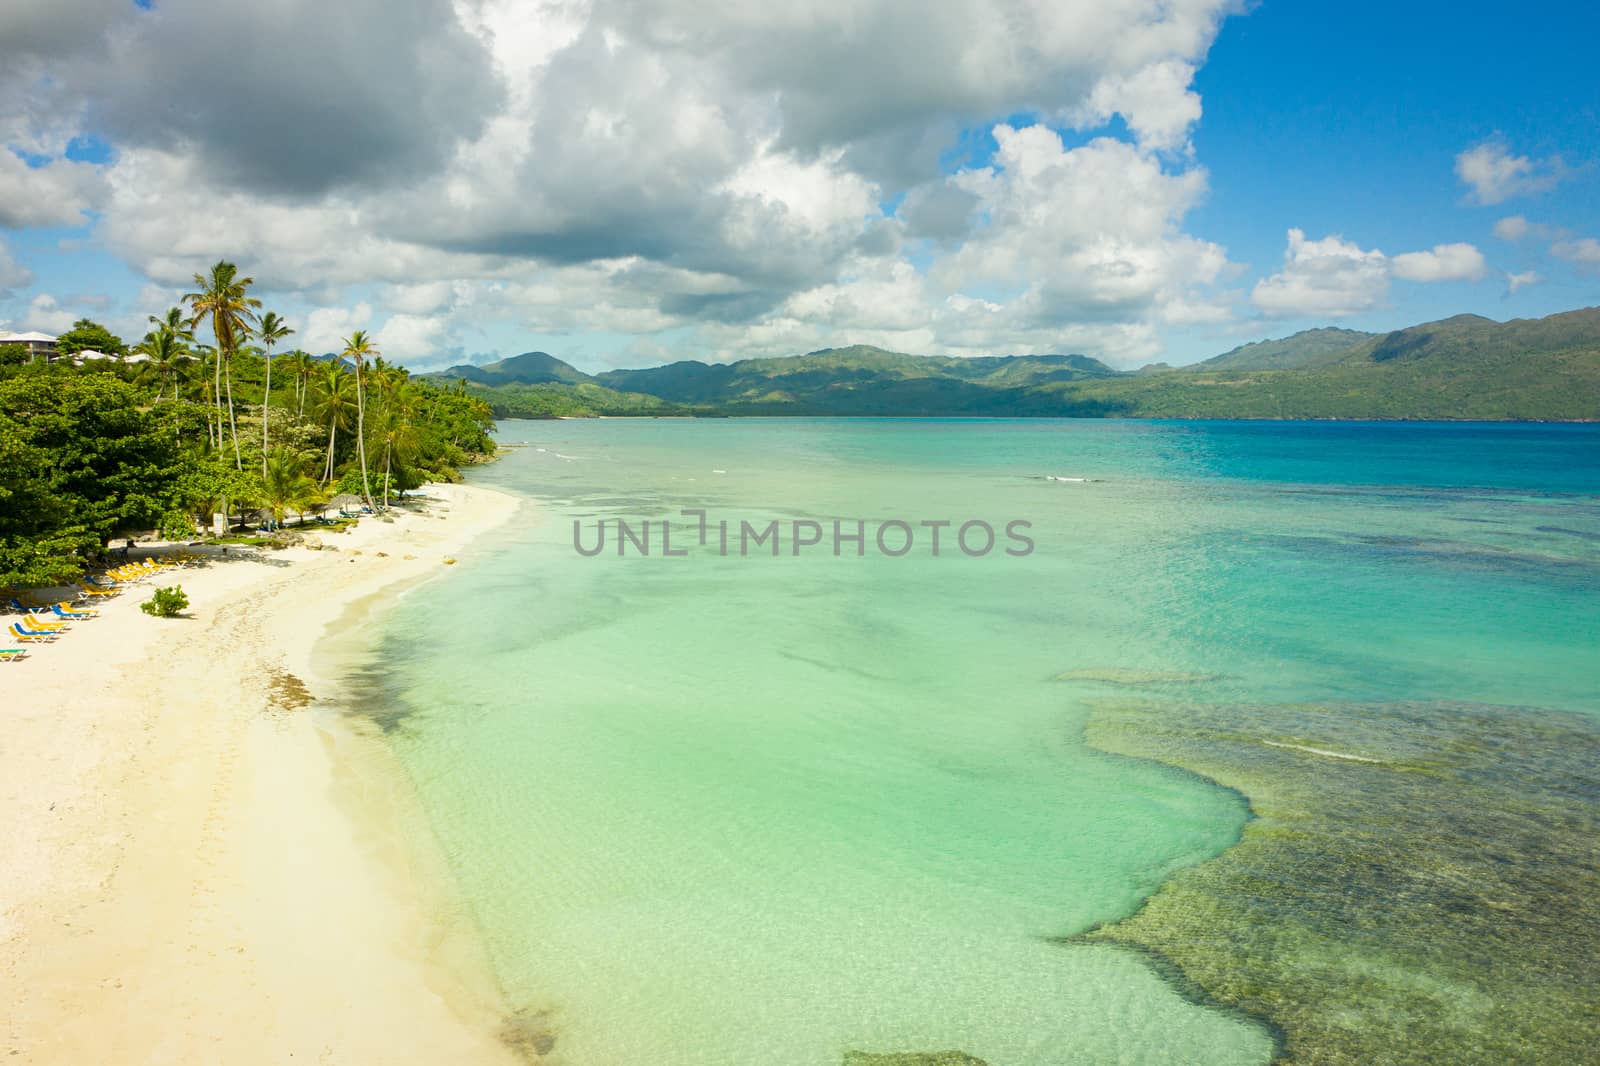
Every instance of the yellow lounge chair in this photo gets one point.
(11, 655)
(27, 637)
(32, 623)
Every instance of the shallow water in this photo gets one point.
(737, 810)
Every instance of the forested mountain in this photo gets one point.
(1465, 367)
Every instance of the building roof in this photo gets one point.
(23, 338)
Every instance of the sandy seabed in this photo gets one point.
(197, 865)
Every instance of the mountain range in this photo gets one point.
(1466, 367)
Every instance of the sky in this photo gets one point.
(631, 182)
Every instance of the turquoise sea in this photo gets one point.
(734, 810)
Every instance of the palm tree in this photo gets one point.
(222, 297)
(174, 322)
(286, 484)
(271, 330)
(399, 430)
(167, 355)
(358, 348)
(332, 407)
(300, 366)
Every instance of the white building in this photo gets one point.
(37, 343)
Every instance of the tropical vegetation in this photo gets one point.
(193, 431)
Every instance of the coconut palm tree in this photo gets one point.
(167, 354)
(359, 349)
(332, 407)
(286, 484)
(222, 296)
(300, 366)
(271, 330)
(398, 430)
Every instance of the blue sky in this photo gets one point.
(1115, 179)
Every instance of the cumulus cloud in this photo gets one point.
(1584, 251)
(1515, 282)
(1495, 175)
(327, 327)
(46, 315)
(287, 97)
(1447, 262)
(59, 193)
(1330, 277)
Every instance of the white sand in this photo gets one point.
(191, 872)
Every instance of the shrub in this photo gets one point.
(166, 603)
(177, 525)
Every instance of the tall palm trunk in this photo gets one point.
(216, 394)
(266, 403)
(233, 427)
(388, 450)
(361, 434)
(333, 429)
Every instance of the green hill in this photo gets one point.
(1312, 347)
(1466, 367)
(529, 368)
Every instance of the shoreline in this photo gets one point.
(204, 859)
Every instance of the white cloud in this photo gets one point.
(58, 193)
(1516, 228)
(1447, 262)
(1522, 281)
(410, 337)
(1495, 175)
(47, 316)
(1512, 228)
(1331, 277)
(1584, 251)
(1155, 101)
(327, 327)
(644, 166)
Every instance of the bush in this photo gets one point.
(177, 525)
(166, 603)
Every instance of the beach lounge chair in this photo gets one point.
(25, 608)
(62, 611)
(32, 623)
(11, 655)
(30, 637)
(91, 590)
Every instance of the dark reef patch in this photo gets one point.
(1421, 882)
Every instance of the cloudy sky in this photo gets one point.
(627, 182)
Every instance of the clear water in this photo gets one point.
(767, 810)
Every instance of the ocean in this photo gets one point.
(803, 795)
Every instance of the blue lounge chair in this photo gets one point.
(72, 614)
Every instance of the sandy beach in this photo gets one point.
(197, 865)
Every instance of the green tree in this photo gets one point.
(332, 406)
(223, 298)
(79, 460)
(271, 330)
(88, 335)
(300, 366)
(168, 354)
(359, 348)
(286, 485)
